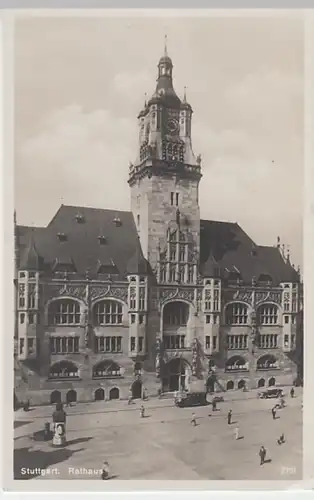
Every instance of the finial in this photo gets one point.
(278, 241)
(145, 101)
(184, 96)
(14, 217)
(283, 250)
(288, 254)
(166, 41)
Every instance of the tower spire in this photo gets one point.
(184, 95)
(166, 48)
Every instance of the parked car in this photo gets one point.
(183, 400)
(217, 399)
(271, 393)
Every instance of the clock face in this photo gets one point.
(172, 126)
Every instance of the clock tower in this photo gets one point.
(165, 177)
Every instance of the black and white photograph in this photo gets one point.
(158, 247)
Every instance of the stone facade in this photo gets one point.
(197, 305)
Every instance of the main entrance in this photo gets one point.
(175, 376)
(137, 389)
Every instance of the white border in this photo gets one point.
(7, 249)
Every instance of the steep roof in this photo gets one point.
(87, 238)
(138, 264)
(99, 241)
(225, 248)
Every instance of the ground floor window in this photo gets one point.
(267, 362)
(271, 382)
(236, 363)
(64, 369)
(261, 382)
(107, 369)
(174, 341)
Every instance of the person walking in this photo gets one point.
(142, 410)
(292, 392)
(262, 454)
(214, 405)
(273, 411)
(105, 471)
(281, 439)
(236, 433)
(229, 416)
(193, 421)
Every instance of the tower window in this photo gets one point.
(171, 198)
(177, 199)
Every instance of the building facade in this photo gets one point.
(109, 303)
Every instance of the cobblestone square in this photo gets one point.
(165, 445)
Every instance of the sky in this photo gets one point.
(80, 83)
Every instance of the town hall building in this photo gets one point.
(109, 303)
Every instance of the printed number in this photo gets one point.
(288, 471)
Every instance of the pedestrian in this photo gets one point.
(262, 454)
(292, 392)
(273, 411)
(105, 471)
(214, 405)
(130, 399)
(229, 416)
(142, 410)
(193, 421)
(281, 439)
(236, 433)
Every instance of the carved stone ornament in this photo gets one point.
(158, 358)
(268, 296)
(75, 291)
(176, 293)
(109, 291)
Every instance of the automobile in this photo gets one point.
(271, 393)
(217, 399)
(184, 400)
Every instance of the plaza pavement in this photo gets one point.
(164, 445)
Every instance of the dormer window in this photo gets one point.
(265, 278)
(117, 221)
(62, 237)
(102, 239)
(79, 218)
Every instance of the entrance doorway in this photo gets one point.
(71, 396)
(175, 378)
(241, 384)
(210, 384)
(99, 394)
(114, 393)
(55, 397)
(137, 389)
(261, 382)
(271, 382)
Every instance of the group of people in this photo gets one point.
(262, 451)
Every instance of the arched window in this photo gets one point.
(230, 385)
(176, 314)
(63, 369)
(236, 314)
(64, 312)
(268, 314)
(236, 363)
(106, 369)
(108, 312)
(267, 362)
(261, 382)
